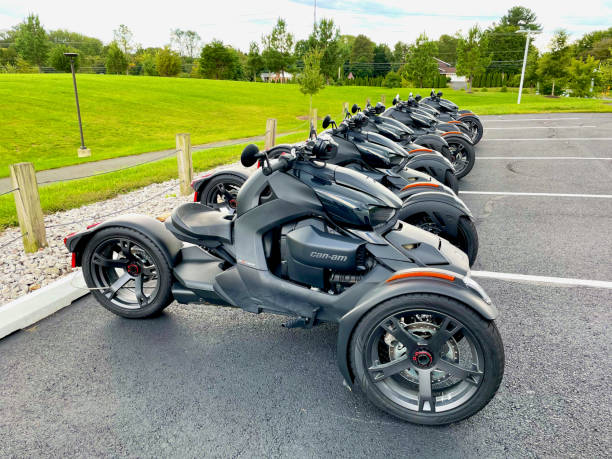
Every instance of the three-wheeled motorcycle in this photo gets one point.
(317, 243)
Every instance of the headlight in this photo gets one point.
(380, 215)
(471, 283)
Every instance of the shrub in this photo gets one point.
(484, 90)
(504, 88)
(24, 66)
(116, 61)
(60, 62)
(168, 62)
(393, 80)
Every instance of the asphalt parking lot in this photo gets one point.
(214, 382)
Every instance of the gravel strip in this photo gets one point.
(21, 273)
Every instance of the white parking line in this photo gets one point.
(540, 157)
(549, 138)
(538, 127)
(536, 119)
(543, 279)
(555, 195)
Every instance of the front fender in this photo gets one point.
(456, 289)
(442, 208)
(448, 136)
(433, 141)
(435, 165)
(150, 227)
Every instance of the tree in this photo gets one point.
(116, 61)
(219, 62)
(519, 16)
(84, 45)
(192, 43)
(552, 66)
(31, 40)
(124, 39)
(311, 80)
(60, 62)
(393, 80)
(447, 48)
(421, 64)
(277, 48)
(326, 38)
(255, 63)
(177, 40)
(8, 56)
(580, 74)
(472, 57)
(168, 62)
(382, 58)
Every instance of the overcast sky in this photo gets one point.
(240, 21)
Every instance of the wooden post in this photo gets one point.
(382, 99)
(270, 136)
(185, 166)
(27, 202)
(367, 101)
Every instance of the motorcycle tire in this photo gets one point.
(428, 383)
(476, 128)
(120, 283)
(451, 181)
(463, 156)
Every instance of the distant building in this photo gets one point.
(449, 71)
(275, 77)
(350, 76)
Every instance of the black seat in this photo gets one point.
(202, 222)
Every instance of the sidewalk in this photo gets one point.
(106, 165)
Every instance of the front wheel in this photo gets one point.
(476, 129)
(463, 156)
(427, 359)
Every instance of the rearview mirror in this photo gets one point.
(395, 100)
(439, 93)
(326, 122)
(249, 155)
(355, 108)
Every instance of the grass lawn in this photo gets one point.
(124, 115)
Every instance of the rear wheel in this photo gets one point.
(466, 238)
(128, 273)
(450, 180)
(427, 359)
(221, 192)
(463, 156)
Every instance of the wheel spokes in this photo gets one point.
(457, 371)
(98, 259)
(401, 334)
(436, 342)
(140, 296)
(426, 399)
(384, 370)
(125, 246)
(119, 283)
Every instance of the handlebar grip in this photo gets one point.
(281, 164)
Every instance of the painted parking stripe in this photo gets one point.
(538, 127)
(566, 281)
(518, 120)
(547, 138)
(542, 157)
(554, 195)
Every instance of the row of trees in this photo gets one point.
(486, 57)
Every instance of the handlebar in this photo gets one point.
(283, 163)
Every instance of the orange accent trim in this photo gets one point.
(466, 114)
(412, 185)
(421, 274)
(451, 132)
(420, 149)
(454, 122)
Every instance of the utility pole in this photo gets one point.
(528, 32)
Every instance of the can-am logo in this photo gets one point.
(327, 256)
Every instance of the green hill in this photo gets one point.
(124, 115)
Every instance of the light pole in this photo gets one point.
(82, 151)
(528, 32)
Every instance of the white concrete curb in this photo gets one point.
(41, 303)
